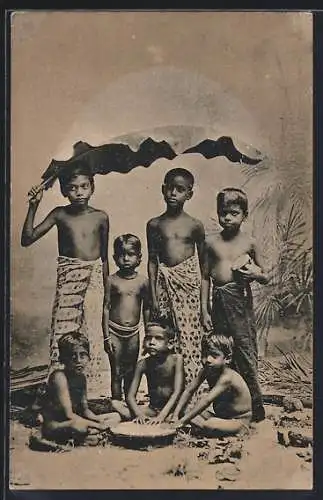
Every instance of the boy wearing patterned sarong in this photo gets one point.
(82, 268)
(231, 262)
(173, 267)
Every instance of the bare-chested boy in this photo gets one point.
(82, 233)
(231, 262)
(65, 411)
(228, 392)
(127, 296)
(164, 371)
(173, 267)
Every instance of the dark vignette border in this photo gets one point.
(317, 245)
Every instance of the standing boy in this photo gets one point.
(231, 262)
(173, 267)
(127, 296)
(82, 267)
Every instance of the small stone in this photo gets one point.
(291, 404)
(282, 437)
(228, 472)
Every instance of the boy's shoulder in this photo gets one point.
(100, 213)
(154, 221)
(142, 279)
(193, 220)
(57, 375)
(231, 377)
(211, 240)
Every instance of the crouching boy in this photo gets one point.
(228, 394)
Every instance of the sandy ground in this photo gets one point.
(264, 465)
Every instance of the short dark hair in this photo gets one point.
(165, 325)
(127, 239)
(70, 172)
(174, 172)
(211, 342)
(69, 340)
(230, 196)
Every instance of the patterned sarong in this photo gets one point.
(178, 292)
(78, 308)
(233, 315)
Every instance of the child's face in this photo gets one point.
(156, 341)
(231, 216)
(177, 191)
(78, 360)
(79, 190)
(213, 360)
(128, 258)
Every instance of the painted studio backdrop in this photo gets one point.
(140, 78)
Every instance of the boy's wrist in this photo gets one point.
(33, 204)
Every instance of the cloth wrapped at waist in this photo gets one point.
(178, 293)
(123, 331)
(185, 276)
(75, 277)
(78, 309)
(232, 309)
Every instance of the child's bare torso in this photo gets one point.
(160, 379)
(126, 296)
(236, 400)
(52, 410)
(175, 238)
(223, 253)
(79, 234)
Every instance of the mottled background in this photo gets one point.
(180, 76)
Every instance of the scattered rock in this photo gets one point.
(291, 438)
(228, 472)
(306, 455)
(300, 439)
(282, 437)
(291, 404)
(184, 469)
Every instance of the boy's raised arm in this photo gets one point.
(151, 232)
(188, 393)
(30, 234)
(205, 401)
(131, 396)
(178, 388)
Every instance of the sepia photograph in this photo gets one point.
(161, 255)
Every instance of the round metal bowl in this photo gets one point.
(137, 436)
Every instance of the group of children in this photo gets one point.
(196, 306)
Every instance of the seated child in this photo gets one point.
(66, 413)
(164, 371)
(229, 394)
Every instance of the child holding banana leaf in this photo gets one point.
(82, 266)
